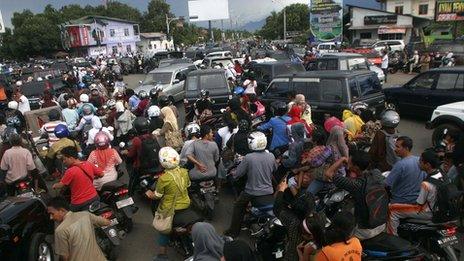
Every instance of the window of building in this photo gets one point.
(391, 36)
(399, 9)
(136, 30)
(115, 49)
(126, 31)
(112, 33)
(150, 46)
(423, 9)
(128, 48)
(365, 35)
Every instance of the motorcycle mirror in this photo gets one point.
(122, 145)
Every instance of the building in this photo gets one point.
(151, 43)
(419, 8)
(99, 35)
(370, 25)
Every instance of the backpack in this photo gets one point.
(448, 201)
(376, 200)
(12, 120)
(149, 159)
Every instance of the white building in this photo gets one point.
(150, 43)
(419, 8)
(370, 25)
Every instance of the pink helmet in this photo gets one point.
(102, 141)
(332, 122)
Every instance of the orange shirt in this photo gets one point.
(341, 251)
(2, 93)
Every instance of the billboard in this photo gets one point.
(2, 24)
(326, 20)
(208, 10)
(449, 10)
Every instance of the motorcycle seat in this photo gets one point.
(388, 245)
(112, 185)
(425, 222)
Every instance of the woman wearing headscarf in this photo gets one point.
(124, 120)
(169, 125)
(96, 128)
(336, 130)
(105, 158)
(295, 115)
(208, 244)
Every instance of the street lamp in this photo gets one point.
(285, 19)
(171, 19)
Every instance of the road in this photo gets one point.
(140, 244)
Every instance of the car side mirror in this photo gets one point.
(176, 81)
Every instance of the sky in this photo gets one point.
(241, 11)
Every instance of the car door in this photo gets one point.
(413, 98)
(178, 84)
(278, 90)
(449, 88)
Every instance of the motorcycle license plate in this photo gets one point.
(26, 195)
(448, 241)
(207, 190)
(114, 222)
(125, 202)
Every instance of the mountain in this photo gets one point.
(253, 26)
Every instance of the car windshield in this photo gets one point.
(157, 78)
(225, 62)
(212, 81)
(357, 64)
(288, 68)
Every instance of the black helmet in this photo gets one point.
(280, 108)
(53, 115)
(7, 133)
(141, 125)
(154, 93)
(163, 100)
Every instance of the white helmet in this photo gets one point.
(119, 106)
(169, 158)
(257, 141)
(84, 98)
(19, 83)
(111, 103)
(192, 128)
(13, 105)
(153, 111)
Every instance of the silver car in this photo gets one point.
(170, 78)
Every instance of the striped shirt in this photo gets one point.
(49, 128)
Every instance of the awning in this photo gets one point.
(391, 30)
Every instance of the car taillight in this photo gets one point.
(107, 214)
(122, 192)
(23, 185)
(450, 231)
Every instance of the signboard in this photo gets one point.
(391, 30)
(97, 51)
(208, 10)
(326, 20)
(2, 24)
(449, 10)
(380, 19)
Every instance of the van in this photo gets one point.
(212, 80)
(393, 45)
(329, 92)
(329, 47)
(171, 78)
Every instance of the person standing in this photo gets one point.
(23, 102)
(74, 236)
(384, 65)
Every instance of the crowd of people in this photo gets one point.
(289, 160)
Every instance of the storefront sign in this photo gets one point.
(84, 35)
(449, 10)
(96, 51)
(380, 19)
(326, 20)
(391, 30)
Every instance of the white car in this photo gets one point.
(393, 45)
(329, 47)
(224, 54)
(445, 118)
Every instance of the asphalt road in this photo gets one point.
(140, 244)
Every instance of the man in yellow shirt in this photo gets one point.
(353, 120)
(53, 155)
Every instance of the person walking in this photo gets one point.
(384, 65)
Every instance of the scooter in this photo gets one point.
(203, 194)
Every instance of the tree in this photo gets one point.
(297, 20)
(154, 20)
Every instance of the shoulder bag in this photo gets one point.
(174, 139)
(162, 221)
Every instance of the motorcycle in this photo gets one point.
(108, 237)
(24, 187)
(406, 67)
(116, 195)
(395, 65)
(203, 194)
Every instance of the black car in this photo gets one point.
(212, 80)
(265, 72)
(329, 92)
(25, 230)
(422, 94)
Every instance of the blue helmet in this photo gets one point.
(61, 131)
(81, 85)
(238, 90)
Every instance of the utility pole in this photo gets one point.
(285, 19)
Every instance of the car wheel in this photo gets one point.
(40, 249)
(440, 131)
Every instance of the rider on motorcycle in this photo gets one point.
(278, 124)
(353, 120)
(53, 155)
(156, 122)
(192, 133)
(143, 104)
(259, 167)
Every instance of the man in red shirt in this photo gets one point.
(79, 177)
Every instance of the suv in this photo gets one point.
(329, 47)
(393, 45)
(422, 94)
(329, 92)
(211, 62)
(171, 78)
(212, 80)
(444, 118)
(265, 72)
(347, 61)
(25, 229)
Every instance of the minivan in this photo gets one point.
(328, 92)
(171, 78)
(212, 80)
(266, 71)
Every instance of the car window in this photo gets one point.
(331, 90)
(460, 82)
(309, 89)
(357, 64)
(212, 81)
(327, 64)
(288, 68)
(369, 84)
(423, 81)
(279, 87)
(353, 89)
(192, 83)
(157, 78)
(447, 81)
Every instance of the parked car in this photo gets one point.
(428, 90)
(445, 118)
(170, 78)
(25, 229)
(329, 47)
(266, 71)
(211, 62)
(393, 45)
(212, 80)
(347, 61)
(329, 92)
(168, 62)
(222, 54)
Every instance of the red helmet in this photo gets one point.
(102, 141)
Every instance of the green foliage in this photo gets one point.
(297, 20)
